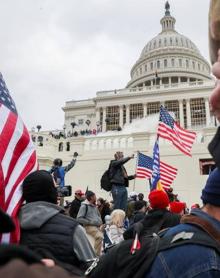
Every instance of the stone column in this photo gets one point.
(181, 113)
(127, 114)
(97, 115)
(121, 116)
(145, 109)
(188, 113)
(207, 112)
(104, 120)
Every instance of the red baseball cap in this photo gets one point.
(79, 192)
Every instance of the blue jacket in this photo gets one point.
(59, 172)
(187, 261)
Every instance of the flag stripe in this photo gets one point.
(4, 112)
(10, 152)
(19, 148)
(7, 133)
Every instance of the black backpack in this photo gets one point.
(105, 181)
(120, 263)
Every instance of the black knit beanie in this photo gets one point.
(211, 191)
(39, 186)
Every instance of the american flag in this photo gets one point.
(145, 167)
(17, 159)
(181, 138)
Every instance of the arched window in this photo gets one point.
(159, 42)
(60, 148)
(67, 146)
(193, 64)
(151, 65)
(198, 66)
(180, 62)
(165, 63)
(165, 42)
(158, 64)
(187, 63)
(171, 41)
(40, 140)
(172, 62)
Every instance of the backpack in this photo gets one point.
(105, 181)
(121, 263)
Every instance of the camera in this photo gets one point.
(64, 191)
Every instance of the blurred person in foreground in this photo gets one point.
(45, 228)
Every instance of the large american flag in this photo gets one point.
(181, 138)
(17, 159)
(145, 167)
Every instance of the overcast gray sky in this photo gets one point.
(52, 51)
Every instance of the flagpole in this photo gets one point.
(134, 183)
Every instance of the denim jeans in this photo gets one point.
(120, 196)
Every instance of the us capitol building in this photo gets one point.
(170, 71)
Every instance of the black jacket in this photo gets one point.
(118, 172)
(51, 234)
(74, 207)
(154, 221)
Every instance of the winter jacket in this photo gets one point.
(154, 221)
(89, 215)
(188, 260)
(118, 172)
(50, 233)
(115, 234)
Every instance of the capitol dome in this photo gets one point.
(169, 58)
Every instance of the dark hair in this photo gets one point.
(89, 195)
(139, 205)
(58, 162)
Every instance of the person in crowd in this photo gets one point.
(58, 171)
(104, 208)
(139, 212)
(199, 260)
(90, 218)
(141, 198)
(116, 227)
(45, 228)
(120, 180)
(172, 197)
(130, 204)
(76, 203)
(178, 207)
(158, 218)
(197, 206)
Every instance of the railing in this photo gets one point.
(154, 87)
